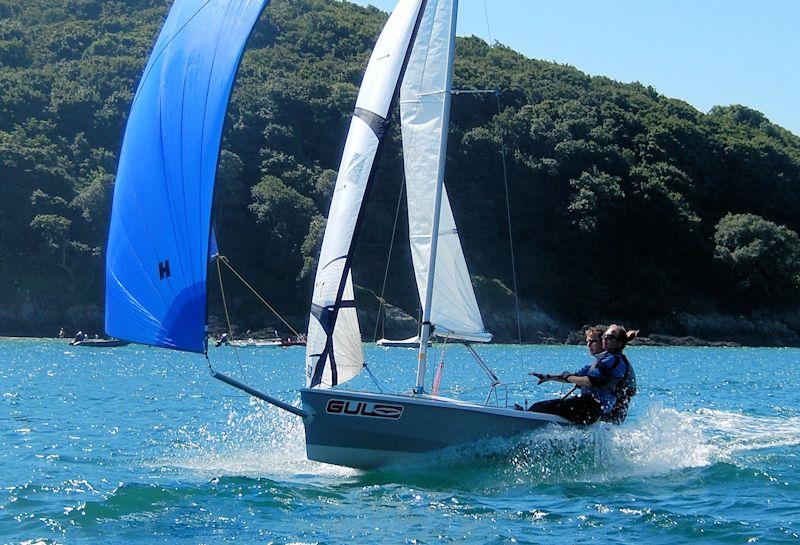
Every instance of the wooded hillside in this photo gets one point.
(625, 204)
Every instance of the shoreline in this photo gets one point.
(653, 340)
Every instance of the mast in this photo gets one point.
(426, 305)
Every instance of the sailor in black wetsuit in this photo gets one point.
(606, 385)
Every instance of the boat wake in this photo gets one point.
(268, 443)
(663, 440)
(734, 435)
(659, 442)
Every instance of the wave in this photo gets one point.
(259, 455)
(140, 502)
(261, 442)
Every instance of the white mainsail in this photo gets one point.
(424, 113)
(333, 351)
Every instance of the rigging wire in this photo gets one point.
(497, 92)
(228, 320)
(239, 276)
(373, 377)
(505, 180)
(488, 28)
(388, 260)
(508, 217)
(519, 385)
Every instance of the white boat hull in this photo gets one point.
(411, 342)
(368, 430)
(258, 343)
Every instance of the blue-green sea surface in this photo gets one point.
(139, 445)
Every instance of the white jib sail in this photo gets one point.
(333, 351)
(424, 104)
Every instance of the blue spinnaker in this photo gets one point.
(158, 244)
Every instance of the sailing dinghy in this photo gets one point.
(159, 237)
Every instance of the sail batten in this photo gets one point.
(159, 236)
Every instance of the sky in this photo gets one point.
(706, 52)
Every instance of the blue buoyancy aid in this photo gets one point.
(607, 373)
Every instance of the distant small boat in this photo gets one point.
(275, 341)
(297, 341)
(100, 343)
(256, 342)
(411, 342)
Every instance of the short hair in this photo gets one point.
(594, 331)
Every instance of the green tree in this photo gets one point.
(595, 195)
(762, 257)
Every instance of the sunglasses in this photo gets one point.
(610, 336)
(591, 341)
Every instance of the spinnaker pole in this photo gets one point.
(260, 395)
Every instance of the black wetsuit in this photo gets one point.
(582, 409)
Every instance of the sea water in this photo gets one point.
(140, 445)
